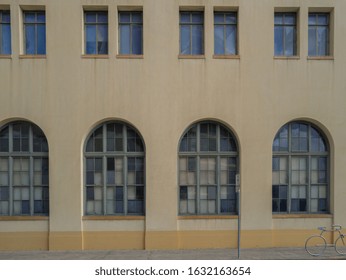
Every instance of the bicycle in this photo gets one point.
(315, 245)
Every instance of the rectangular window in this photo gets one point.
(131, 33)
(225, 33)
(191, 33)
(5, 33)
(96, 32)
(319, 34)
(285, 34)
(35, 32)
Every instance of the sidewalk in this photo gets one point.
(205, 254)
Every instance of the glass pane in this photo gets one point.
(312, 41)
(290, 18)
(219, 39)
(102, 39)
(197, 39)
(137, 17)
(185, 41)
(231, 18)
(102, 17)
(289, 41)
(231, 37)
(219, 17)
(314, 192)
(90, 39)
(184, 17)
(90, 17)
(312, 19)
(30, 44)
(6, 39)
(197, 17)
(137, 39)
(29, 17)
(278, 40)
(322, 19)
(41, 39)
(125, 39)
(322, 41)
(278, 18)
(314, 205)
(183, 207)
(203, 192)
(124, 17)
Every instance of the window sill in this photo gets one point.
(226, 56)
(29, 56)
(287, 57)
(301, 216)
(208, 217)
(113, 218)
(5, 56)
(130, 56)
(95, 56)
(320, 58)
(190, 56)
(24, 218)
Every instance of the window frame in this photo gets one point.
(104, 155)
(131, 24)
(191, 24)
(225, 24)
(308, 156)
(284, 25)
(30, 156)
(2, 23)
(328, 43)
(217, 156)
(96, 24)
(35, 24)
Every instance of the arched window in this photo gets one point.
(208, 163)
(300, 170)
(114, 171)
(23, 170)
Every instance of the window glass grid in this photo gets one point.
(319, 34)
(120, 185)
(225, 33)
(191, 33)
(285, 33)
(131, 33)
(96, 32)
(5, 32)
(35, 32)
(207, 176)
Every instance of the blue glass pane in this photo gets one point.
(90, 17)
(322, 19)
(231, 18)
(137, 17)
(289, 41)
(278, 18)
(197, 17)
(6, 17)
(29, 17)
(124, 39)
(102, 17)
(312, 19)
(184, 17)
(41, 39)
(185, 42)
(6, 39)
(124, 17)
(197, 39)
(231, 40)
(25, 207)
(219, 18)
(218, 39)
(137, 39)
(102, 39)
(30, 45)
(41, 17)
(278, 40)
(322, 41)
(90, 39)
(290, 19)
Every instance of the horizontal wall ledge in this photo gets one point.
(210, 217)
(302, 216)
(111, 218)
(24, 218)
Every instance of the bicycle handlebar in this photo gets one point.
(334, 228)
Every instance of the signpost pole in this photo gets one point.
(237, 182)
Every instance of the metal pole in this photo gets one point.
(238, 202)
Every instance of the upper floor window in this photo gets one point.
(114, 171)
(285, 34)
(5, 33)
(300, 170)
(319, 34)
(191, 33)
(131, 33)
(208, 163)
(35, 32)
(225, 33)
(96, 32)
(24, 168)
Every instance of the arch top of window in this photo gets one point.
(208, 136)
(22, 136)
(300, 137)
(114, 137)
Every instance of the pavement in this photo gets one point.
(198, 254)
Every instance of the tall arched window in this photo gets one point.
(114, 171)
(24, 168)
(300, 170)
(208, 163)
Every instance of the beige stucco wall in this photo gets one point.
(68, 94)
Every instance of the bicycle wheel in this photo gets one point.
(340, 245)
(315, 245)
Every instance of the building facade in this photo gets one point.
(124, 123)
